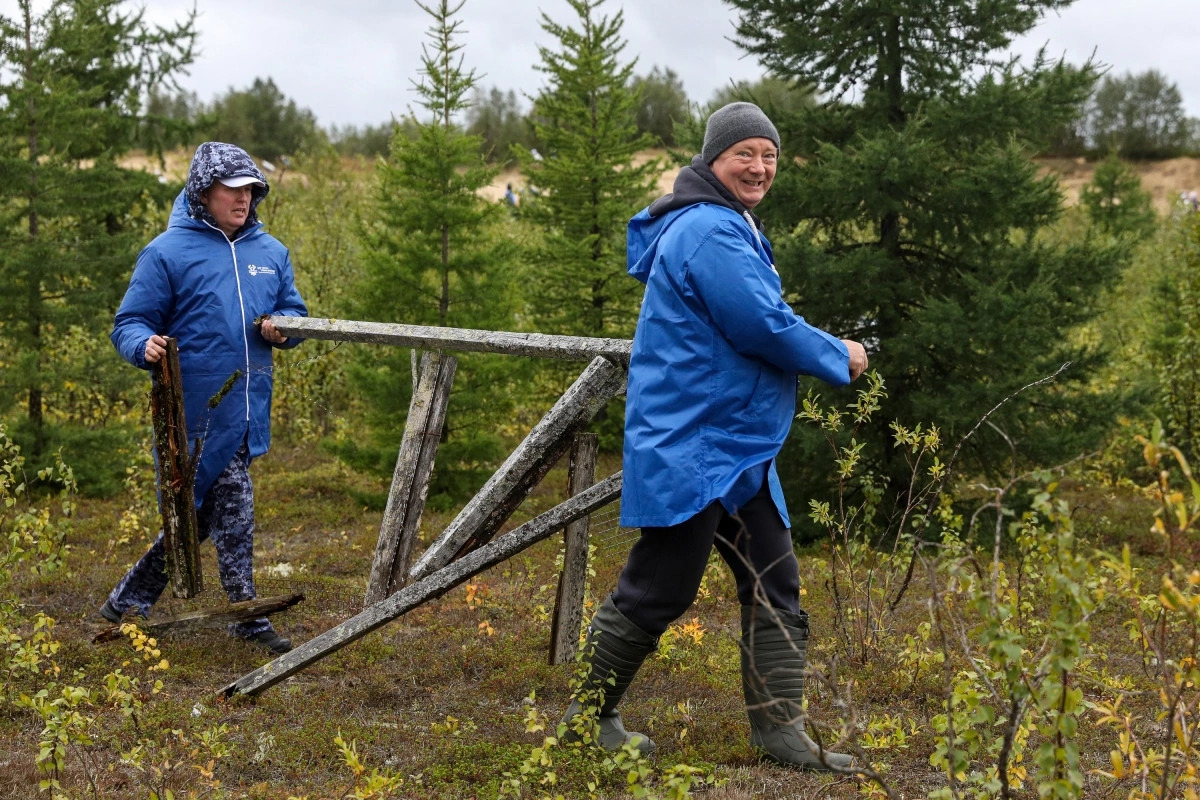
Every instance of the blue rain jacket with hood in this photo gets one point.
(715, 359)
(193, 284)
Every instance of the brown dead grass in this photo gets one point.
(1164, 180)
(474, 661)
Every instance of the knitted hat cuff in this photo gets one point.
(731, 124)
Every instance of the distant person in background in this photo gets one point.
(206, 282)
(509, 196)
(711, 397)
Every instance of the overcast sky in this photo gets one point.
(353, 61)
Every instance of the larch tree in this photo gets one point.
(1173, 343)
(495, 116)
(1115, 201)
(586, 177)
(437, 253)
(73, 77)
(317, 216)
(911, 216)
(1138, 116)
(265, 122)
(663, 103)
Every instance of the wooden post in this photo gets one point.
(568, 605)
(546, 443)
(435, 585)
(176, 476)
(410, 481)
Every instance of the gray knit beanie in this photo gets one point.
(730, 124)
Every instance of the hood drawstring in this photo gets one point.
(757, 236)
(746, 215)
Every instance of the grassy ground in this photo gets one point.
(440, 697)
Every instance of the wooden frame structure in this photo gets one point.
(466, 546)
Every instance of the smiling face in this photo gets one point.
(747, 169)
(229, 207)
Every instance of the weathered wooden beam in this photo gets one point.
(176, 476)
(410, 480)
(504, 491)
(568, 604)
(209, 617)
(437, 584)
(537, 345)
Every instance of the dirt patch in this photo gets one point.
(1164, 180)
(516, 178)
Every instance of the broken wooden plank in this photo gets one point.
(209, 617)
(538, 345)
(504, 491)
(410, 480)
(437, 584)
(572, 583)
(176, 476)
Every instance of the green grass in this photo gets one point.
(439, 696)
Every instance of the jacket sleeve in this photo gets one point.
(288, 302)
(744, 297)
(143, 311)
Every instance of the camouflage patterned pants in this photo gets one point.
(226, 515)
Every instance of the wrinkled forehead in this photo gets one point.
(757, 144)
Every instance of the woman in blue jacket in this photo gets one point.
(206, 281)
(711, 397)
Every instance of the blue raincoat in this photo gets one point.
(193, 284)
(713, 371)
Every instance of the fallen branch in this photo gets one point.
(207, 618)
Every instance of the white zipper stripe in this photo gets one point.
(245, 339)
(242, 307)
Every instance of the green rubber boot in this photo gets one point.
(617, 649)
(774, 651)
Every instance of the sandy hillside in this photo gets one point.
(174, 165)
(514, 176)
(1165, 180)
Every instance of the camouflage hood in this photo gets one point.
(215, 160)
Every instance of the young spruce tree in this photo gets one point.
(587, 179)
(908, 212)
(437, 254)
(72, 78)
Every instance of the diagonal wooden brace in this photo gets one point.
(435, 585)
(479, 519)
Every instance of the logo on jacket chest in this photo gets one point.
(255, 269)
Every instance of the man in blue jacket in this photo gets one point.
(205, 282)
(711, 397)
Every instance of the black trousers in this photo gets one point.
(665, 566)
